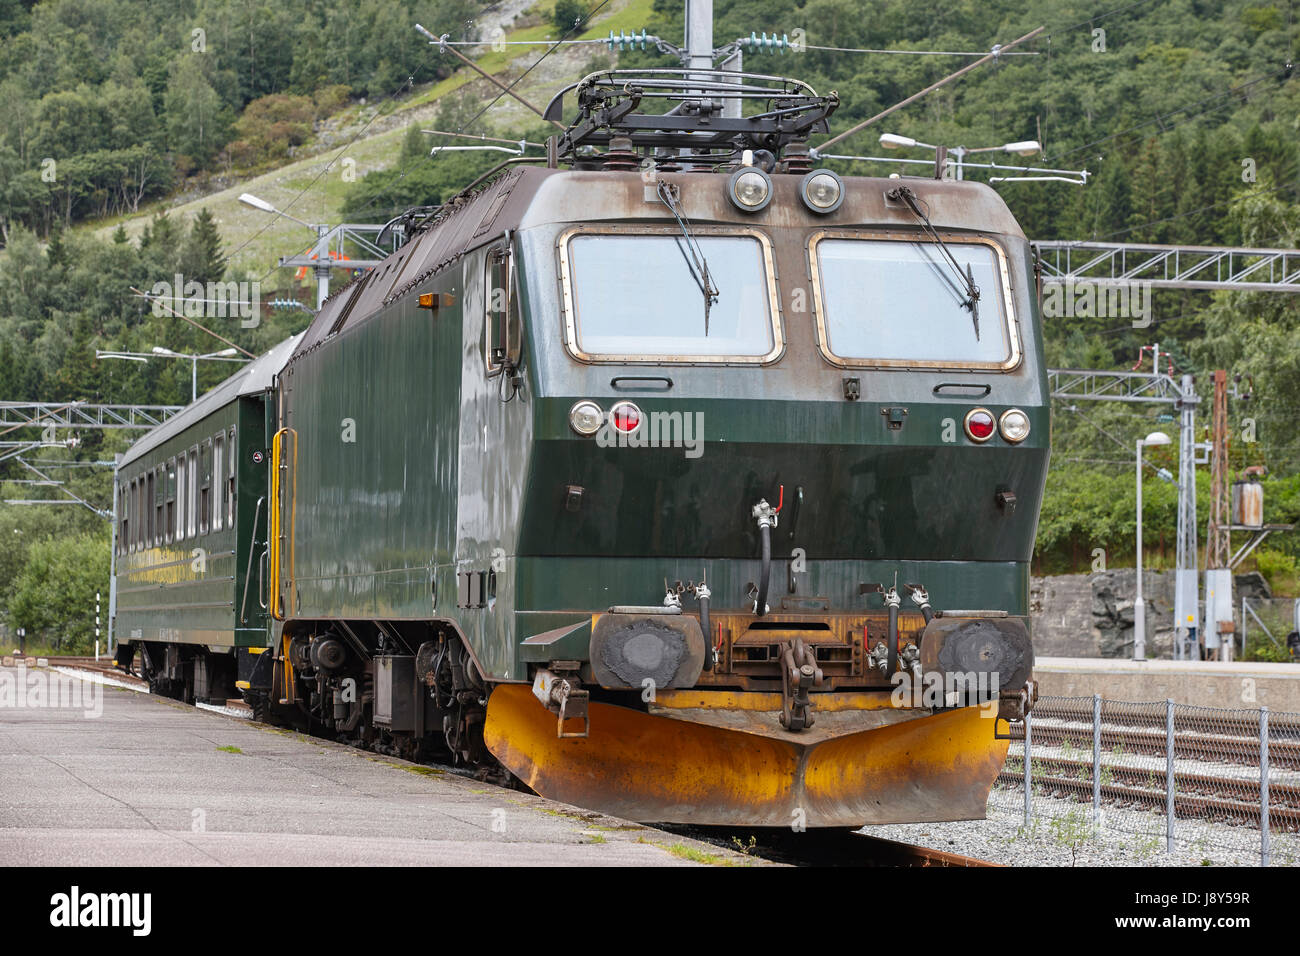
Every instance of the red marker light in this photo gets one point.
(626, 417)
(980, 424)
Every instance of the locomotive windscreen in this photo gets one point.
(901, 302)
(641, 295)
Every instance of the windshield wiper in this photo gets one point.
(907, 197)
(695, 261)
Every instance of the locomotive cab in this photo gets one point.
(786, 477)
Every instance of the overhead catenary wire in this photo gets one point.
(996, 52)
(554, 46)
(605, 41)
(475, 118)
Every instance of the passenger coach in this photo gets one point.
(191, 536)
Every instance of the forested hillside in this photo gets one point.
(119, 120)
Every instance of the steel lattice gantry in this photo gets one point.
(1171, 267)
(51, 416)
(1090, 384)
(14, 415)
(1134, 386)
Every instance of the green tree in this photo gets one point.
(202, 258)
(54, 594)
(196, 119)
(569, 15)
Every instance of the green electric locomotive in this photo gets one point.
(677, 476)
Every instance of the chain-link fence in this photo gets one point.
(1170, 775)
(1265, 627)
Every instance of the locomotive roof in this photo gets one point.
(252, 379)
(526, 196)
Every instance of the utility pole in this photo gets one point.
(699, 35)
(1216, 535)
(112, 559)
(1185, 577)
(1218, 574)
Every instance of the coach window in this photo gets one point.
(124, 537)
(169, 521)
(146, 483)
(205, 487)
(159, 503)
(218, 481)
(180, 497)
(192, 494)
(230, 482)
(136, 518)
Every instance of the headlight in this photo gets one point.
(1014, 425)
(750, 189)
(980, 425)
(822, 191)
(585, 418)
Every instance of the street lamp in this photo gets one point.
(1027, 147)
(322, 267)
(892, 141)
(1139, 606)
(225, 355)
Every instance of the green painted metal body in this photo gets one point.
(201, 588)
(410, 466)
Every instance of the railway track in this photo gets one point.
(1213, 809)
(1153, 717)
(1219, 794)
(104, 665)
(832, 847)
(1282, 754)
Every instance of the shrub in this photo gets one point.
(569, 12)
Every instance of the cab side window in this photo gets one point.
(502, 326)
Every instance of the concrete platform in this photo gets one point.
(1207, 683)
(153, 782)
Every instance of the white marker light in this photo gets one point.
(586, 417)
(1014, 425)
